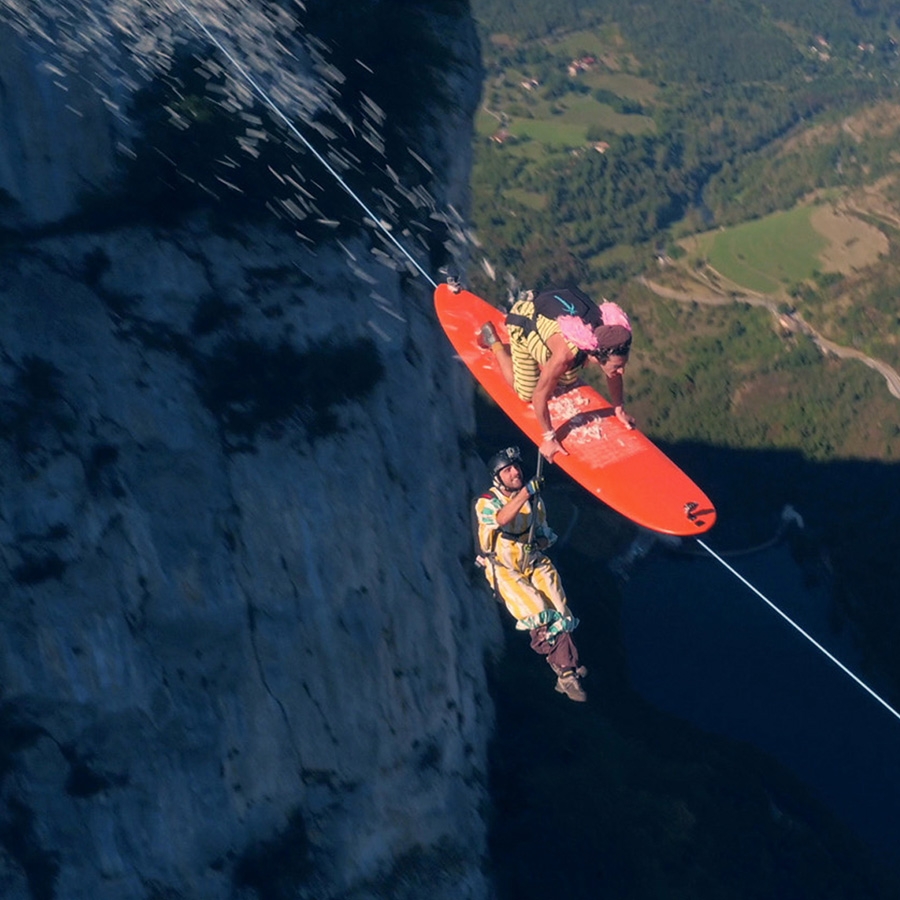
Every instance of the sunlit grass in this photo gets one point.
(767, 254)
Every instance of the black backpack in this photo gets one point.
(555, 302)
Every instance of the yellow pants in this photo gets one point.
(529, 592)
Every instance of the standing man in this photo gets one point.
(512, 535)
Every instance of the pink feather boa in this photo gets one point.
(613, 314)
(578, 332)
(581, 334)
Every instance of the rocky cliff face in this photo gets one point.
(55, 142)
(240, 654)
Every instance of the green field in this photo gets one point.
(598, 41)
(563, 122)
(527, 198)
(624, 85)
(768, 254)
(485, 124)
(568, 127)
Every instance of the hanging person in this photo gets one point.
(551, 336)
(512, 536)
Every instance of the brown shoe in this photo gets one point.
(487, 336)
(581, 671)
(570, 685)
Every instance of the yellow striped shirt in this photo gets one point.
(530, 352)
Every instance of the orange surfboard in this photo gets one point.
(621, 466)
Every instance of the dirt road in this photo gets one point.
(791, 321)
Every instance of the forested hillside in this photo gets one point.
(610, 132)
(617, 140)
(724, 81)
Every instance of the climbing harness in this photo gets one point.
(691, 512)
(484, 558)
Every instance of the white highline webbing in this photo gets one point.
(297, 133)
(791, 622)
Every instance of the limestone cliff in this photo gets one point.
(58, 137)
(240, 653)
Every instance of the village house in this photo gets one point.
(582, 64)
